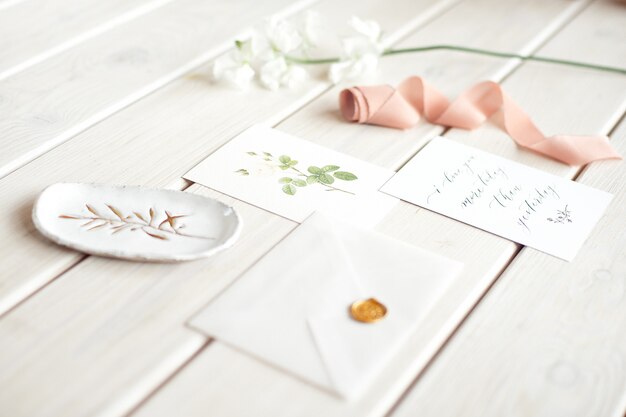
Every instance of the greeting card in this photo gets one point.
(528, 206)
(293, 177)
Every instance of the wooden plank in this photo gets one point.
(55, 26)
(548, 339)
(5, 4)
(49, 103)
(505, 34)
(137, 137)
(140, 303)
(596, 36)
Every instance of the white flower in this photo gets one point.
(277, 72)
(294, 76)
(360, 52)
(370, 29)
(248, 49)
(238, 75)
(282, 35)
(283, 42)
(355, 69)
(356, 46)
(235, 67)
(271, 73)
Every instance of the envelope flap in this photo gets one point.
(353, 352)
(408, 280)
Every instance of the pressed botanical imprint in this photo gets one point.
(162, 230)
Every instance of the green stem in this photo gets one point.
(308, 61)
(505, 55)
(471, 51)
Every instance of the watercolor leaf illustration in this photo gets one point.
(161, 230)
(324, 176)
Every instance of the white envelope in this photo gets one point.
(291, 309)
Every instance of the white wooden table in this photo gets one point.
(118, 91)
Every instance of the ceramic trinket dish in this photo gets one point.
(135, 223)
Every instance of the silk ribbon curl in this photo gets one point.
(401, 108)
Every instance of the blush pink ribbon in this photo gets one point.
(402, 107)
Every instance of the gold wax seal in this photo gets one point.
(368, 311)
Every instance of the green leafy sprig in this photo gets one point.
(325, 176)
(562, 216)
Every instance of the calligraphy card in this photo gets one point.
(528, 206)
(293, 177)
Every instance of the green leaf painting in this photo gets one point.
(323, 176)
(289, 189)
(346, 176)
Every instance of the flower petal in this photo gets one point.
(294, 76)
(283, 36)
(311, 28)
(221, 64)
(368, 28)
(272, 72)
(337, 72)
(239, 77)
(248, 49)
(356, 46)
(354, 69)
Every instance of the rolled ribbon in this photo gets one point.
(402, 108)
